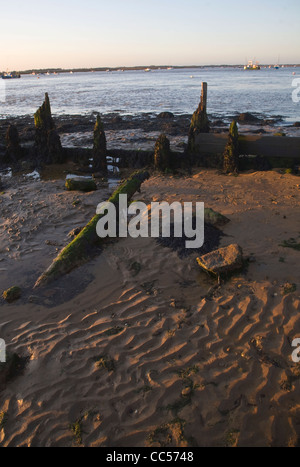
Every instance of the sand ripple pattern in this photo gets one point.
(149, 354)
(118, 365)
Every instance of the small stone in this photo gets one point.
(165, 115)
(81, 184)
(214, 218)
(247, 118)
(223, 260)
(33, 299)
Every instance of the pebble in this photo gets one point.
(186, 392)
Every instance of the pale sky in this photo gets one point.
(96, 33)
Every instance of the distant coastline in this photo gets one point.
(133, 68)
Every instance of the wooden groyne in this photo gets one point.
(204, 147)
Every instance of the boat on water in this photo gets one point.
(277, 66)
(12, 75)
(252, 66)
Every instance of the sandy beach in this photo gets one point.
(139, 347)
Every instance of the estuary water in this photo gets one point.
(266, 93)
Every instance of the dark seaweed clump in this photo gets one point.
(212, 237)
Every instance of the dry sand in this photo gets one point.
(138, 347)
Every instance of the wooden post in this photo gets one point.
(204, 97)
(199, 122)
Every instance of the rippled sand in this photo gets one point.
(139, 347)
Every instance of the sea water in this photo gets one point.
(266, 93)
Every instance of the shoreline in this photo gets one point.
(141, 131)
(141, 68)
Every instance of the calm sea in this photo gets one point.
(267, 93)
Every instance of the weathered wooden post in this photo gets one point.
(162, 153)
(99, 148)
(47, 140)
(231, 153)
(199, 123)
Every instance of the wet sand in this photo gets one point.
(141, 348)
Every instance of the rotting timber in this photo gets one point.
(82, 248)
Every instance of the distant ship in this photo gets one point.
(12, 75)
(277, 65)
(252, 66)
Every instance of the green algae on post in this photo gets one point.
(99, 148)
(80, 250)
(81, 184)
(162, 153)
(199, 122)
(231, 153)
(47, 140)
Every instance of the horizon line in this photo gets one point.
(137, 68)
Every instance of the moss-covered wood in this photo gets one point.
(12, 294)
(13, 148)
(231, 153)
(214, 218)
(81, 249)
(199, 122)
(81, 184)
(99, 148)
(162, 153)
(47, 140)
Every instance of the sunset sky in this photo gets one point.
(95, 33)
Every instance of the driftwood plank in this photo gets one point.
(255, 145)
